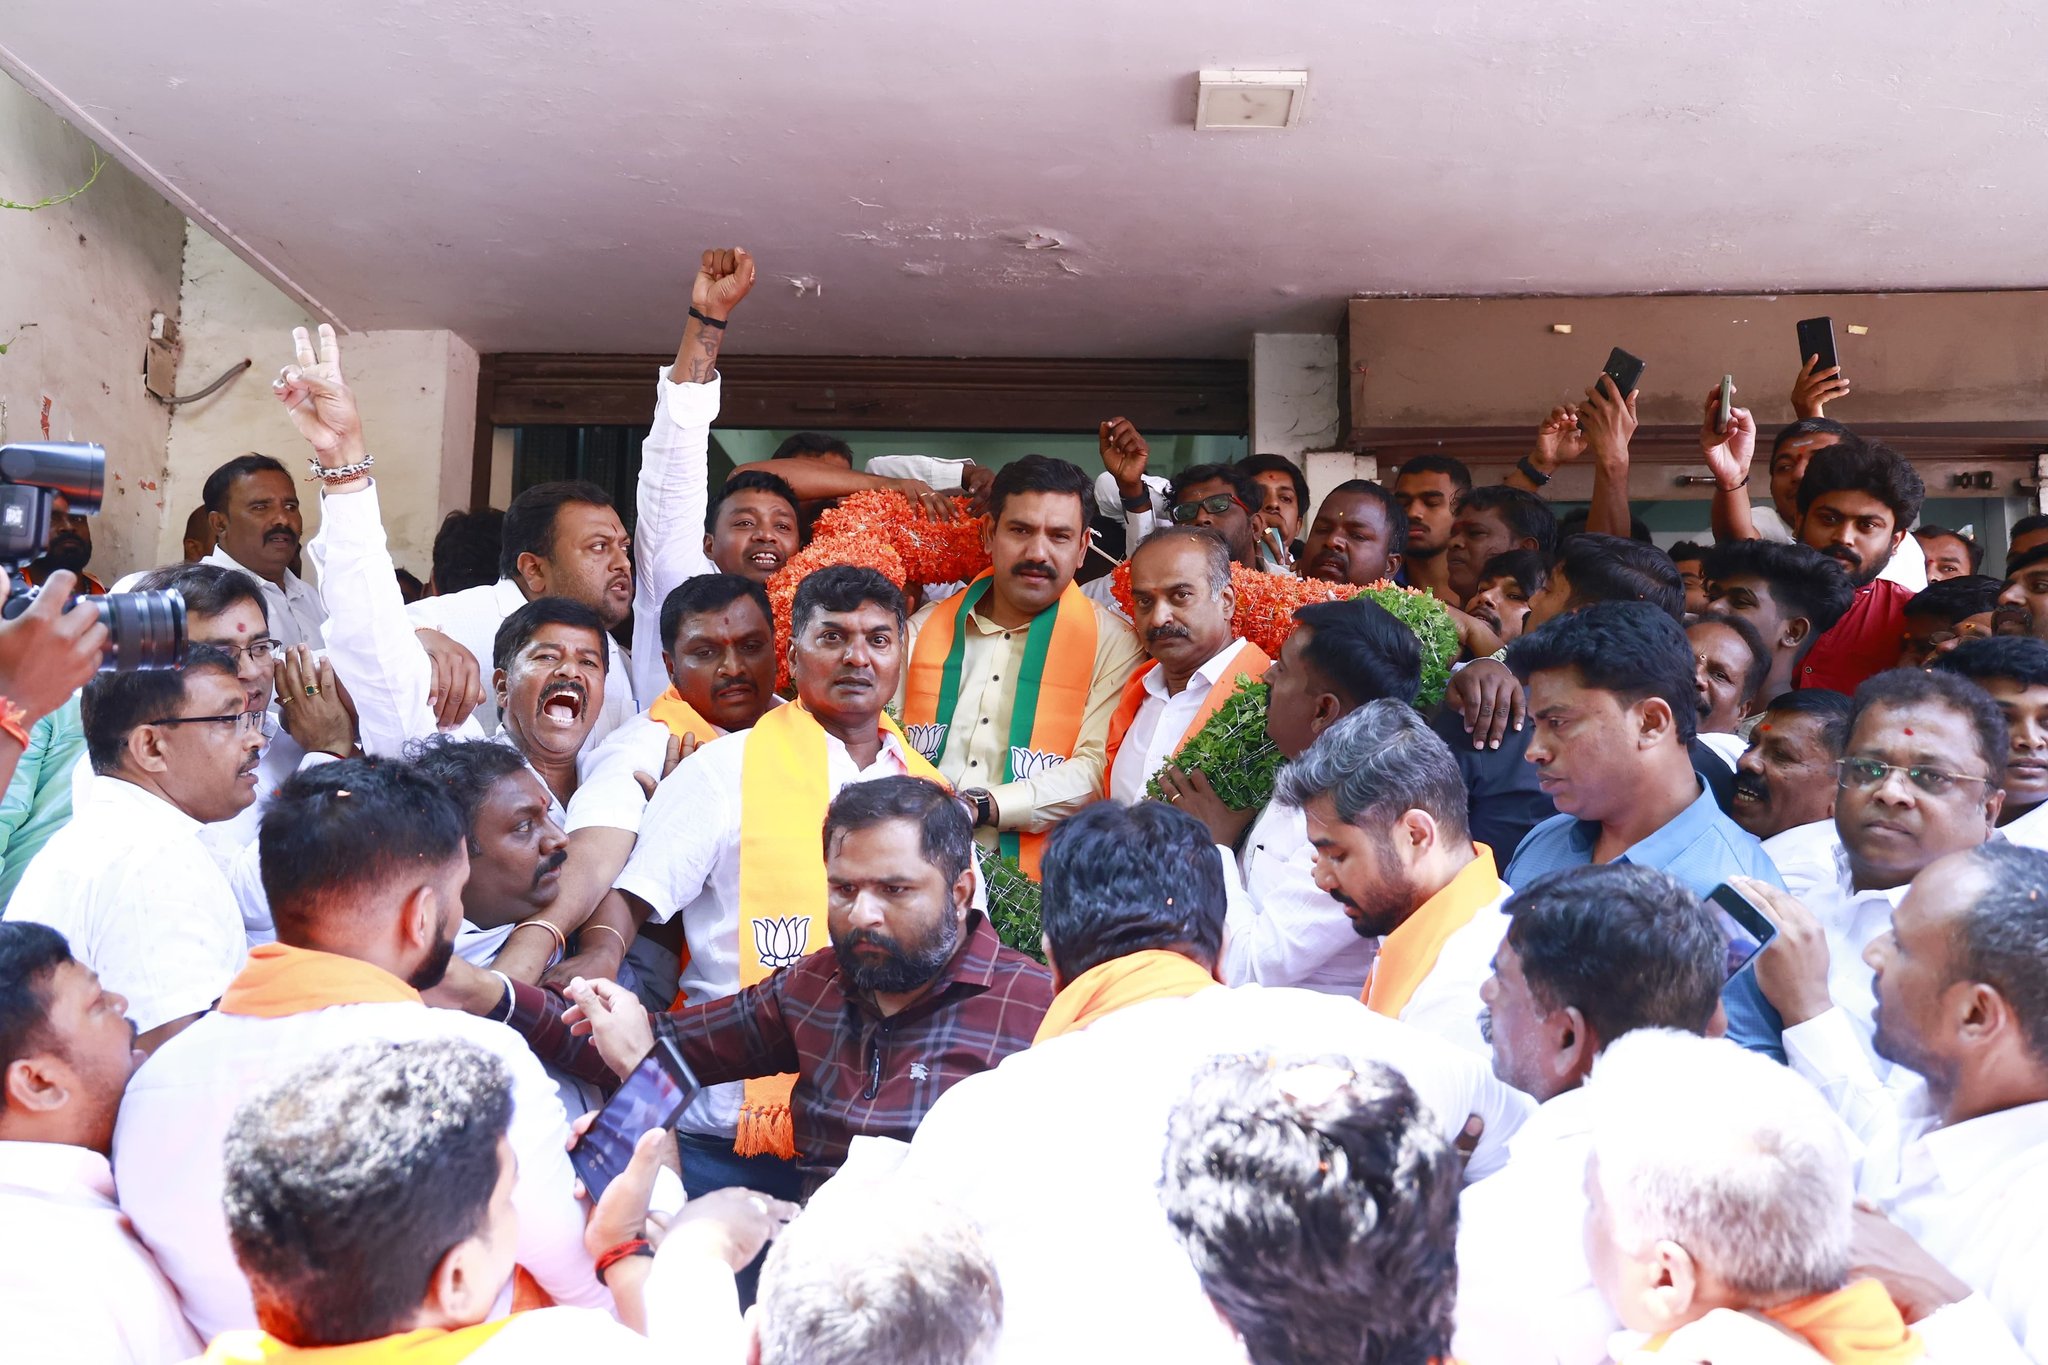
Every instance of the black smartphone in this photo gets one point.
(1625, 370)
(1727, 403)
(1817, 337)
(1747, 929)
(652, 1097)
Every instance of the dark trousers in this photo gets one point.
(710, 1163)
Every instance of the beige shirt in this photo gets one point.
(1047, 789)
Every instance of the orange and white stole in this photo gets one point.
(1248, 662)
(279, 981)
(784, 791)
(1408, 955)
(1050, 700)
(681, 718)
(427, 1346)
(1151, 974)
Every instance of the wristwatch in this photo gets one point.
(1531, 472)
(984, 806)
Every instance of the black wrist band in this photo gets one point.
(1138, 502)
(1731, 488)
(1531, 472)
(708, 322)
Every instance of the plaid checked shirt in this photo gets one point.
(859, 1073)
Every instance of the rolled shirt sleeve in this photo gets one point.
(668, 533)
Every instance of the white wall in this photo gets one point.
(417, 390)
(78, 282)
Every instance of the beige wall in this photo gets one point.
(1956, 357)
(78, 282)
(417, 390)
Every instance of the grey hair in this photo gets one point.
(1731, 1155)
(879, 1273)
(2004, 937)
(1375, 763)
(1207, 539)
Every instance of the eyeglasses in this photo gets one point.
(1867, 774)
(256, 651)
(1215, 505)
(245, 722)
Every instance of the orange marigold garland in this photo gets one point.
(859, 548)
(931, 551)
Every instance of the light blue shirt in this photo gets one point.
(1700, 847)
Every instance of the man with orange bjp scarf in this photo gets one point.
(1182, 605)
(1011, 681)
(1386, 815)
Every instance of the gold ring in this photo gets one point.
(312, 690)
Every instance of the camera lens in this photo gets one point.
(145, 629)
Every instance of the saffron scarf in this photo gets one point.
(1408, 955)
(681, 718)
(1153, 974)
(1249, 662)
(279, 980)
(428, 1346)
(784, 790)
(1856, 1325)
(1051, 695)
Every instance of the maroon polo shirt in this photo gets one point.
(1863, 643)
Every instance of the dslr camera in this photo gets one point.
(144, 629)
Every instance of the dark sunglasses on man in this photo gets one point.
(1215, 505)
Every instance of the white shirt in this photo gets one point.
(1727, 747)
(1084, 1239)
(1808, 858)
(75, 1283)
(1851, 919)
(2029, 830)
(295, 609)
(167, 1144)
(1291, 931)
(1525, 1290)
(1162, 722)
(1446, 1002)
(670, 499)
(370, 639)
(943, 475)
(606, 794)
(688, 863)
(140, 900)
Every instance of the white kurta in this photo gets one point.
(1083, 1239)
(75, 1281)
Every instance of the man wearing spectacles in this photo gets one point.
(128, 882)
(1922, 776)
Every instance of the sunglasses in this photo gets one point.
(1215, 505)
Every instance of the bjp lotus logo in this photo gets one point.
(781, 942)
(928, 740)
(1029, 763)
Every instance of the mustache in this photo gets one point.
(281, 530)
(565, 685)
(1158, 633)
(1485, 1024)
(1749, 784)
(551, 863)
(1845, 555)
(1024, 566)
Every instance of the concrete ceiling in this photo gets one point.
(539, 177)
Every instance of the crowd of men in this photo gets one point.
(322, 952)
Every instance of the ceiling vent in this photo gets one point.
(1250, 99)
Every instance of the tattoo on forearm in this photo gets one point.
(700, 352)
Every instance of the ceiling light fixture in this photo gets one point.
(1250, 99)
